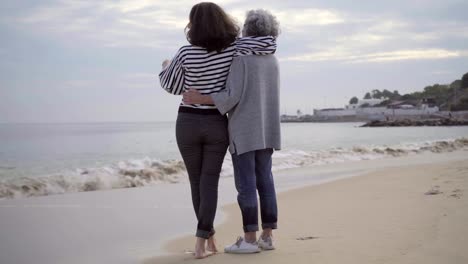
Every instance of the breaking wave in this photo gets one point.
(147, 171)
(125, 174)
(298, 158)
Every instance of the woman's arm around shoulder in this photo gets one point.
(230, 97)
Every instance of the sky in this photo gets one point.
(69, 61)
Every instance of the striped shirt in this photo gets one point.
(195, 68)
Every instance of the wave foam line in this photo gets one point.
(125, 174)
(144, 172)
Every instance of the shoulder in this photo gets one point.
(257, 59)
(191, 49)
(184, 49)
(257, 66)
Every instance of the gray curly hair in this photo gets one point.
(260, 22)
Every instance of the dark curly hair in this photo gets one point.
(210, 27)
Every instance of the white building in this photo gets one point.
(373, 112)
(336, 112)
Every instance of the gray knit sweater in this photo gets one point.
(251, 99)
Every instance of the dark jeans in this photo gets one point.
(252, 172)
(202, 142)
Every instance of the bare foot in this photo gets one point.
(202, 255)
(211, 245)
(200, 251)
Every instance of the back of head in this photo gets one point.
(260, 22)
(210, 27)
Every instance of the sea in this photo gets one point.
(52, 159)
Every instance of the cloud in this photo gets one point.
(299, 20)
(108, 23)
(158, 23)
(308, 17)
(422, 54)
(348, 56)
(372, 39)
(146, 23)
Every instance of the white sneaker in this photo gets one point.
(266, 244)
(242, 247)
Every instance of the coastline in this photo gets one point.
(382, 216)
(133, 225)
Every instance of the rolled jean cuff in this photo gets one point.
(250, 228)
(203, 234)
(269, 225)
(212, 233)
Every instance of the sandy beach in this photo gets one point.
(383, 216)
(371, 211)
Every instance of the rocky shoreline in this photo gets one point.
(408, 123)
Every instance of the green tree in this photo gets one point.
(387, 94)
(354, 100)
(461, 106)
(456, 84)
(410, 97)
(367, 96)
(441, 93)
(464, 81)
(376, 94)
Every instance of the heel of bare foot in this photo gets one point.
(211, 245)
(200, 248)
(202, 255)
(200, 251)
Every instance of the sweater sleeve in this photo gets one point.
(230, 97)
(172, 77)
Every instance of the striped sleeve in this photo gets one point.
(255, 45)
(172, 77)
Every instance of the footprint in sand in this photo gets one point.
(457, 193)
(433, 191)
(306, 238)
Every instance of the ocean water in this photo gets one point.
(43, 159)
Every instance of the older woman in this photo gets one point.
(251, 100)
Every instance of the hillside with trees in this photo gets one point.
(450, 97)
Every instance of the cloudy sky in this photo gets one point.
(94, 61)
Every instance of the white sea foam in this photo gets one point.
(147, 171)
(125, 174)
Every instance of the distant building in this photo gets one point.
(370, 109)
(334, 112)
(299, 113)
(430, 102)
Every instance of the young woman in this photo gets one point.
(201, 130)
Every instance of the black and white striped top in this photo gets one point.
(195, 68)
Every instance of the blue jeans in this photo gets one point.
(252, 173)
